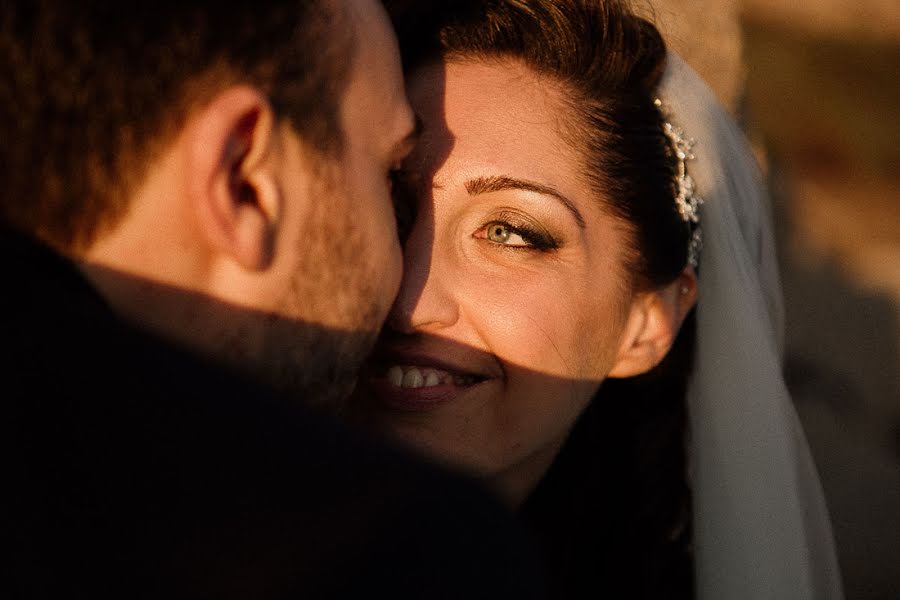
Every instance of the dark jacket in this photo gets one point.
(134, 469)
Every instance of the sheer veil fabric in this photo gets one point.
(761, 525)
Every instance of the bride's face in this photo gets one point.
(515, 299)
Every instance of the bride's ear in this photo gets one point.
(652, 325)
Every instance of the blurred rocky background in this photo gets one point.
(816, 85)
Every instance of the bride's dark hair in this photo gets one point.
(613, 512)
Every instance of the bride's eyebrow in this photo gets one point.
(498, 183)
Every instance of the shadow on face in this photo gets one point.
(300, 360)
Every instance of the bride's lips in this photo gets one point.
(417, 380)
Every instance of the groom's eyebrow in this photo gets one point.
(499, 183)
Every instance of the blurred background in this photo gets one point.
(816, 85)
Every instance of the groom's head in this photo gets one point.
(219, 170)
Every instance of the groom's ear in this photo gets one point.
(231, 177)
(654, 320)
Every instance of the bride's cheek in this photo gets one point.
(525, 331)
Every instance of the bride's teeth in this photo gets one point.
(413, 379)
(432, 379)
(395, 376)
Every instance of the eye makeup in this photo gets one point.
(513, 230)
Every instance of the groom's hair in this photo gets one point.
(93, 91)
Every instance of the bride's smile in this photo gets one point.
(409, 374)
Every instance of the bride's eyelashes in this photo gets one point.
(514, 232)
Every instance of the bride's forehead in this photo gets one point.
(491, 112)
(470, 94)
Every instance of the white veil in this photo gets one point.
(761, 526)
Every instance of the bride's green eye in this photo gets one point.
(500, 233)
(517, 236)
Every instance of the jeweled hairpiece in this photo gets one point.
(687, 201)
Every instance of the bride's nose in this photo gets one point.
(426, 301)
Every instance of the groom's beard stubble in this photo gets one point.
(312, 347)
